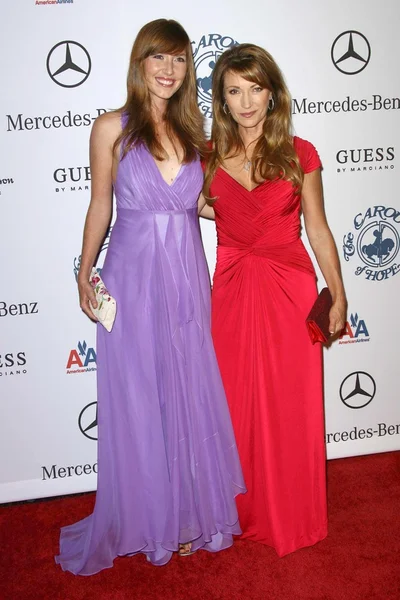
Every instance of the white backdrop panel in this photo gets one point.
(47, 347)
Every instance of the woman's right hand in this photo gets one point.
(86, 295)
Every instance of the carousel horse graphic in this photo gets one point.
(381, 248)
(205, 83)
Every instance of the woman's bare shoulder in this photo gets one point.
(107, 126)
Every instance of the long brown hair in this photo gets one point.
(274, 154)
(183, 119)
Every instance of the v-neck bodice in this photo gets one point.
(139, 184)
(229, 176)
(265, 217)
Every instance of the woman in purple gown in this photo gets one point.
(167, 458)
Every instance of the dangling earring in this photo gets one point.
(225, 108)
(271, 103)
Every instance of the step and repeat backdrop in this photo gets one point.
(63, 63)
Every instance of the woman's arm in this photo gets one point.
(203, 209)
(105, 131)
(324, 247)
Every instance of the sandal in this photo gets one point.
(185, 549)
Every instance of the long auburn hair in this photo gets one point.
(183, 119)
(274, 155)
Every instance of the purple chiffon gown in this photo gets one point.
(168, 467)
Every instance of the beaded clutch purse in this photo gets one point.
(106, 304)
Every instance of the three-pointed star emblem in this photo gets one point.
(350, 52)
(357, 389)
(68, 64)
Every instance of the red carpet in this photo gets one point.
(360, 559)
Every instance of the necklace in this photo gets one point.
(246, 162)
(247, 165)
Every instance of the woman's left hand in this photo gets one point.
(337, 316)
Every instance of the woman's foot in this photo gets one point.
(185, 549)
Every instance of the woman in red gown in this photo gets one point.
(259, 178)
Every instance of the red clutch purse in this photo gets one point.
(317, 321)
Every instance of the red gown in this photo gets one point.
(264, 286)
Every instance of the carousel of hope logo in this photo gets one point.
(376, 240)
(205, 54)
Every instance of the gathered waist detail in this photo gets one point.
(292, 254)
(133, 213)
(135, 229)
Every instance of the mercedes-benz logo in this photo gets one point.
(350, 52)
(68, 64)
(357, 389)
(87, 421)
